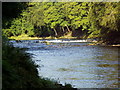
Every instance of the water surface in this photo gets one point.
(76, 63)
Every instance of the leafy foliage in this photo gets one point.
(43, 19)
(11, 10)
(105, 20)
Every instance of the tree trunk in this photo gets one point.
(55, 32)
(40, 27)
(63, 29)
(68, 28)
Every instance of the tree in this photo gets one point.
(105, 20)
(11, 10)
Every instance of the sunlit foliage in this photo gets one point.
(99, 20)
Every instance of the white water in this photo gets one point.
(64, 41)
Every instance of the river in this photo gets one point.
(75, 62)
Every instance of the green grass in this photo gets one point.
(26, 37)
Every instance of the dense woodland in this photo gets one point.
(83, 20)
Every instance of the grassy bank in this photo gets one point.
(19, 71)
(26, 37)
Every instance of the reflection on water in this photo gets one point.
(81, 65)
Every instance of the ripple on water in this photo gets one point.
(75, 63)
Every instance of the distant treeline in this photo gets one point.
(93, 19)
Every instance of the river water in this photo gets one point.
(75, 62)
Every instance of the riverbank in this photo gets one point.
(19, 69)
(25, 37)
(102, 44)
